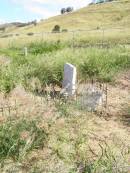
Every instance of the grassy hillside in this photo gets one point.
(108, 22)
(54, 48)
(43, 135)
(112, 14)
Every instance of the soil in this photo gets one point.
(114, 129)
(4, 60)
(118, 97)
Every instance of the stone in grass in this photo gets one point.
(69, 80)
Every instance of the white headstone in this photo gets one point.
(69, 80)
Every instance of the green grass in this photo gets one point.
(17, 138)
(44, 64)
(71, 140)
(108, 19)
(44, 47)
(26, 147)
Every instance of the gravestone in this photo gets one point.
(69, 80)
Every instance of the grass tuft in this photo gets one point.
(18, 138)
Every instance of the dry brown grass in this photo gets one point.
(78, 138)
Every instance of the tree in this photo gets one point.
(56, 28)
(3, 29)
(69, 9)
(35, 22)
(63, 10)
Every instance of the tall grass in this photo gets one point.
(44, 47)
(45, 64)
(18, 138)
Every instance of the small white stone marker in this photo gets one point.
(25, 51)
(69, 80)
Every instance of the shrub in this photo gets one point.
(30, 33)
(7, 35)
(6, 79)
(64, 30)
(98, 28)
(3, 29)
(90, 68)
(56, 28)
(44, 47)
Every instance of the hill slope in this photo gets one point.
(112, 14)
(107, 22)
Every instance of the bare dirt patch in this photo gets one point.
(119, 95)
(118, 99)
(21, 103)
(123, 80)
(83, 129)
(4, 60)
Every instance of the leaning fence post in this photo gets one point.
(25, 51)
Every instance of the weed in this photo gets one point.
(47, 66)
(44, 47)
(62, 108)
(18, 138)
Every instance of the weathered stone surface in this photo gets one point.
(69, 80)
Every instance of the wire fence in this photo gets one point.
(91, 96)
(98, 37)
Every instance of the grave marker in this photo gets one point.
(69, 80)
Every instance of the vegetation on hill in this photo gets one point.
(39, 134)
(106, 15)
(108, 22)
(45, 62)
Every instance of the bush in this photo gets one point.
(90, 68)
(56, 28)
(64, 30)
(30, 33)
(3, 29)
(6, 79)
(98, 27)
(8, 35)
(44, 47)
(45, 72)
